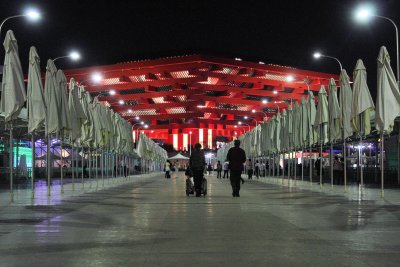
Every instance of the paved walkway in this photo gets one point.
(149, 221)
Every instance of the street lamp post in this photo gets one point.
(240, 123)
(190, 143)
(363, 13)
(31, 14)
(73, 55)
(318, 55)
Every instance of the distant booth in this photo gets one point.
(179, 161)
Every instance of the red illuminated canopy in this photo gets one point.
(199, 91)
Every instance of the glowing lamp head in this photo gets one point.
(253, 111)
(146, 126)
(121, 102)
(96, 77)
(112, 92)
(142, 122)
(137, 118)
(130, 110)
(317, 55)
(245, 117)
(240, 123)
(264, 101)
(33, 14)
(190, 132)
(363, 13)
(74, 55)
(235, 126)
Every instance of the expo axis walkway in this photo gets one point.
(150, 222)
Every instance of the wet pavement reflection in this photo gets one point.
(149, 221)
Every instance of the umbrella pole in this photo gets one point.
(62, 165)
(295, 168)
(72, 168)
(382, 166)
(102, 167)
(83, 170)
(344, 164)
(273, 166)
(33, 165)
(90, 167)
(331, 163)
(48, 166)
(320, 156)
(11, 164)
(283, 168)
(360, 150)
(302, 165)
(398, 159)
(97, 173)
(310, 163)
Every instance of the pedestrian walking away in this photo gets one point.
(249, 167)
(236, 157)
(257, 169)
(197, 162)
(226, 170)
(219, 169)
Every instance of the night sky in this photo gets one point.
(280, 32)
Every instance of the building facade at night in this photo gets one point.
(196, 98)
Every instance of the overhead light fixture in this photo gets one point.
(253, 111)
(275, 92)
(130, 110)
(238, 59)
(74, 55)
(317, 55)
(290, 78)
(245, 117)
(240, 123)
(137, 118)
(32, 14)
(260, 62)
(112, 92)
(121, 102)
(363, 13)
(264, 101)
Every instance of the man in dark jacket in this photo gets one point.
(196, 162)
(236, 157)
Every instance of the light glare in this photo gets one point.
(32, 14)
(317, 55)
(363, 13)
(96, 77)
(112, 92)
(290, 78)
(121, 102)
(74, 55)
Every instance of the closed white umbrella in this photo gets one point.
(334, 112)
(13, 88)
(13, 94)
(361, 107)
(35, 103)
(387, 102)
(35, 97)
(65, 118)
(311, 133)
(77, 115)
(78, 118)
(53, 124)
(321, 123)
(362, 103)
(345, 96)
(334, 122)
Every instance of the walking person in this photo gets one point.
(209, 169)
(337, 171)
(197, 162)
(249, 167)
(236, 157)
(167, 169)
(219, 169)
(257, 169)
(226, 170)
